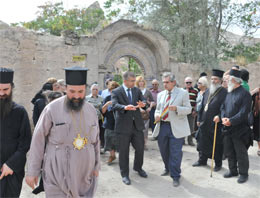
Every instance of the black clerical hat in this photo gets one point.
(76, 75)
(203, 74)
(236, 73)
(244, 75)
(6, 75)
(217, 72)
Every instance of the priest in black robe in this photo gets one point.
(211, 103)
(234, 115)
(15, 138)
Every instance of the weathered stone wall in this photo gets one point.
(36, 57)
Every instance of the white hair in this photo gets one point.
(61, 82)
(204, 81)
(231, 85)
(238, 80)
(188, 79)
(93, 86)
(168, 74)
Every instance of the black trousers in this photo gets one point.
(151, 123)
(217, 157)
(11, 185)
(136, 138)
(237, 155)
(101, 133)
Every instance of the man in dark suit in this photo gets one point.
(126, 101)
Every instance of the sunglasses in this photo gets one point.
(199, 83)
(154, 84)
(188, 82)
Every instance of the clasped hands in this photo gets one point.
(225, 121)
(140, 104)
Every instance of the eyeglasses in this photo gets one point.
(154, 84)
(188, 82)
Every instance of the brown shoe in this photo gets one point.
(111, 159)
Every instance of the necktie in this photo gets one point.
(129, 96)
(166, 108)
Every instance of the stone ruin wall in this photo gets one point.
(36, 57)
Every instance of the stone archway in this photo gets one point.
(127, 39)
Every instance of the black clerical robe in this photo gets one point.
(207, 126)
(236, 107)
(15, 139)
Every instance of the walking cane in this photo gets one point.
(213, 151)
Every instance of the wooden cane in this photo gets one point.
(213, 150)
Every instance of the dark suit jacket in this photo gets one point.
(124, 120)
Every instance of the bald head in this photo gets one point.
(155, 84)
(188, 82)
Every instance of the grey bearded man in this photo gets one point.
(15, 138)
(212, 100)
(69, 128)
(234, 116)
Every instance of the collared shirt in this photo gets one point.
(143, 91)
(154, 94)
(164, 102)
(126, 88)
(105, 93)
(97, 103)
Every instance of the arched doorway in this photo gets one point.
(148, 48)
(124, 64)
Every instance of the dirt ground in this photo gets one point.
(195, 181)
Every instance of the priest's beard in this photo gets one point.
(75, 104)
(213, 88)
(6, 105)
(231, 86)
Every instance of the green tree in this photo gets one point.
(53, 19)
(195, 29)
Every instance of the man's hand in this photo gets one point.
(157, 119)
(226, 122)
(140, 104)
(172, 108)
(95, 173)
(198, 124)
(216, 119)
(32, 181)
(6, 171)
(108, 103)
(130, 108)
(148, 110)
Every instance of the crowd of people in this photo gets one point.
(72, 129)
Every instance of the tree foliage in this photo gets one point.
(53, 19)
(195, 29)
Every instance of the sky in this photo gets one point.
(13, 11)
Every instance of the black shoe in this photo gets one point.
(165, 173)
(217, 168)
(176, 182)
(191, 143)
(126, 180)
(198, 164)
(142, 173)
(230, 174)
(242, 179)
